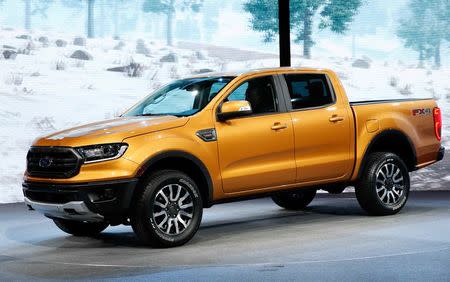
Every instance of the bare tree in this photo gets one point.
(90, 19)
(35, 8)
(169, 7)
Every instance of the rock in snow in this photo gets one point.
(61, 43)
(132, 70)
(202, 71)
(118, 69)
(169, 58)
(43, 39)
(24, 36)
(361, 63)
(119, 45)
(9, 54)
(81, 55)
(79, 41)
(200, 55)
(141, 48)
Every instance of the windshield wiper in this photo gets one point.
(152, 115)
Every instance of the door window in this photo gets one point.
(308, 90)
(259, 92)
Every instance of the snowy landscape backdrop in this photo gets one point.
(68, 62)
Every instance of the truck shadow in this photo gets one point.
(224, 222)
(227, 230)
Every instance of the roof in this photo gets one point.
(259, 70)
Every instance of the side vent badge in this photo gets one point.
(207, 135)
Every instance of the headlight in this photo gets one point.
(102, 152)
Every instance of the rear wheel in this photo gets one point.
(168, 210)
(79, 228)
(294, 200)
(384, 186)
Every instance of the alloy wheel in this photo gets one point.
(390, 184)
(173, 209)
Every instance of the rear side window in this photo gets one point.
(308, 90)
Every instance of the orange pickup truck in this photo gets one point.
(208, 139)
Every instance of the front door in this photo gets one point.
(257, 151)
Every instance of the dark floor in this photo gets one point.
(251, 240)
(434, 177)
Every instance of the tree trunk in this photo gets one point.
(116, 19)
(102, 18)
(421, 58)
(307, 33)
(28, 14)
(90, 19)
(437, 55)
(353, 46)
(170, 14)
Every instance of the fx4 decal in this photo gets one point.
(421, 112)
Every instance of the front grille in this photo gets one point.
(53, 162)
(56, 197)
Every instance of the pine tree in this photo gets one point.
(169, 7)
(425, 28)
(90, 19)
(79, 5)
(35, 7)
(116, 17)
(1, 4)
(27, 14)
(335, 15)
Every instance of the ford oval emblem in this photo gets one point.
(45, 162)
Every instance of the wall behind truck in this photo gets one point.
(43, 89)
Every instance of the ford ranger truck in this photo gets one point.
(215, 138)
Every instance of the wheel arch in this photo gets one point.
(182, 161)
(394, 141)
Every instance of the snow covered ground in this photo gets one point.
(43, 89)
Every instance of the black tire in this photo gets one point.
(79, 228)
(379, 197)
(159, 226)
(294, 200)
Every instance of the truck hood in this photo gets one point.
(110, 131)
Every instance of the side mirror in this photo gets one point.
(233, 109)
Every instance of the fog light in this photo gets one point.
(103, 195)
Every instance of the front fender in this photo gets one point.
(144, 148)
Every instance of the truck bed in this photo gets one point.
(412, 118)
(383, 101)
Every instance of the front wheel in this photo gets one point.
(168, 210)
(384, 186)
(79, 228)
(294, 200)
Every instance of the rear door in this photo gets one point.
(321, 127)
(257, 151)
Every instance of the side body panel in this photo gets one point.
(374, 118)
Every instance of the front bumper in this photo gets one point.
(72, 210)
(94, 201)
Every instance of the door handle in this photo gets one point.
(278, 126)
(335, 118)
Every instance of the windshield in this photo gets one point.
(183, 97)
